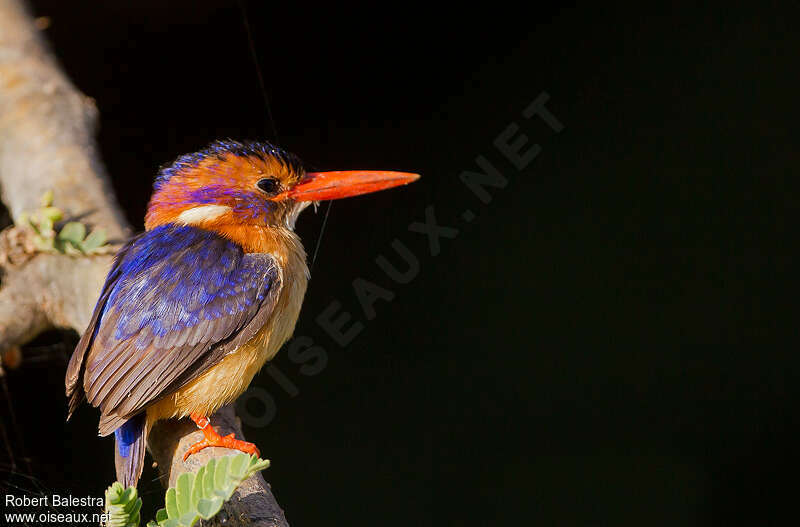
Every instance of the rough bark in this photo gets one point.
(47, 132)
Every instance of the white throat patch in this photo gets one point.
(291, 216)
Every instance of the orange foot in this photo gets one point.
(214, 439)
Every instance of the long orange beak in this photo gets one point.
(320, 186)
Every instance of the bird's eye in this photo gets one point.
(269, 185)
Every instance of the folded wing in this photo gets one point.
(175, 302)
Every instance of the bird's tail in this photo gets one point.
(131, 443)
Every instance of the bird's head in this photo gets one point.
(257, 184)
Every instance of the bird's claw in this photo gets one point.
(228, 441)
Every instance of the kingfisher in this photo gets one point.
(193, 307)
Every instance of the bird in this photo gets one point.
(194, 306)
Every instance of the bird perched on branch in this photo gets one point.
(193, 307)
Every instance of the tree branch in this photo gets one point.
(47, 143)
(251, 504)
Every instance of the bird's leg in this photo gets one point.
(214, 439)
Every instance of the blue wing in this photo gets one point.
(176, 299)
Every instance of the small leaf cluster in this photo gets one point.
(194, 496)
(71, 239)
(122, 506)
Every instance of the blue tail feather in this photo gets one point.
(128, 433)
(131, 439)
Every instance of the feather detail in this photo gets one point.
(180, 300)
(225, 174)
(131, 442)
(199, 215)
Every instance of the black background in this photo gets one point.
(600, 346)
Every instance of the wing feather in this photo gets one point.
(175, 302)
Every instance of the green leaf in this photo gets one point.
(43, 244)
(71, 240)
(44, 226)
(58, 245)
(171, 503)
(205, 508)
(96, 239)
(128, 494)
(257, 464)
(47, 199)
(221, 475)
(73, 232)
(183, 493)
(208, 478)
(51, 213)
(195, 496)
(31, 221)
(122, 506)
(197, 488)
(189, 519)
(238, 466)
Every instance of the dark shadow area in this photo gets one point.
(5, 217)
